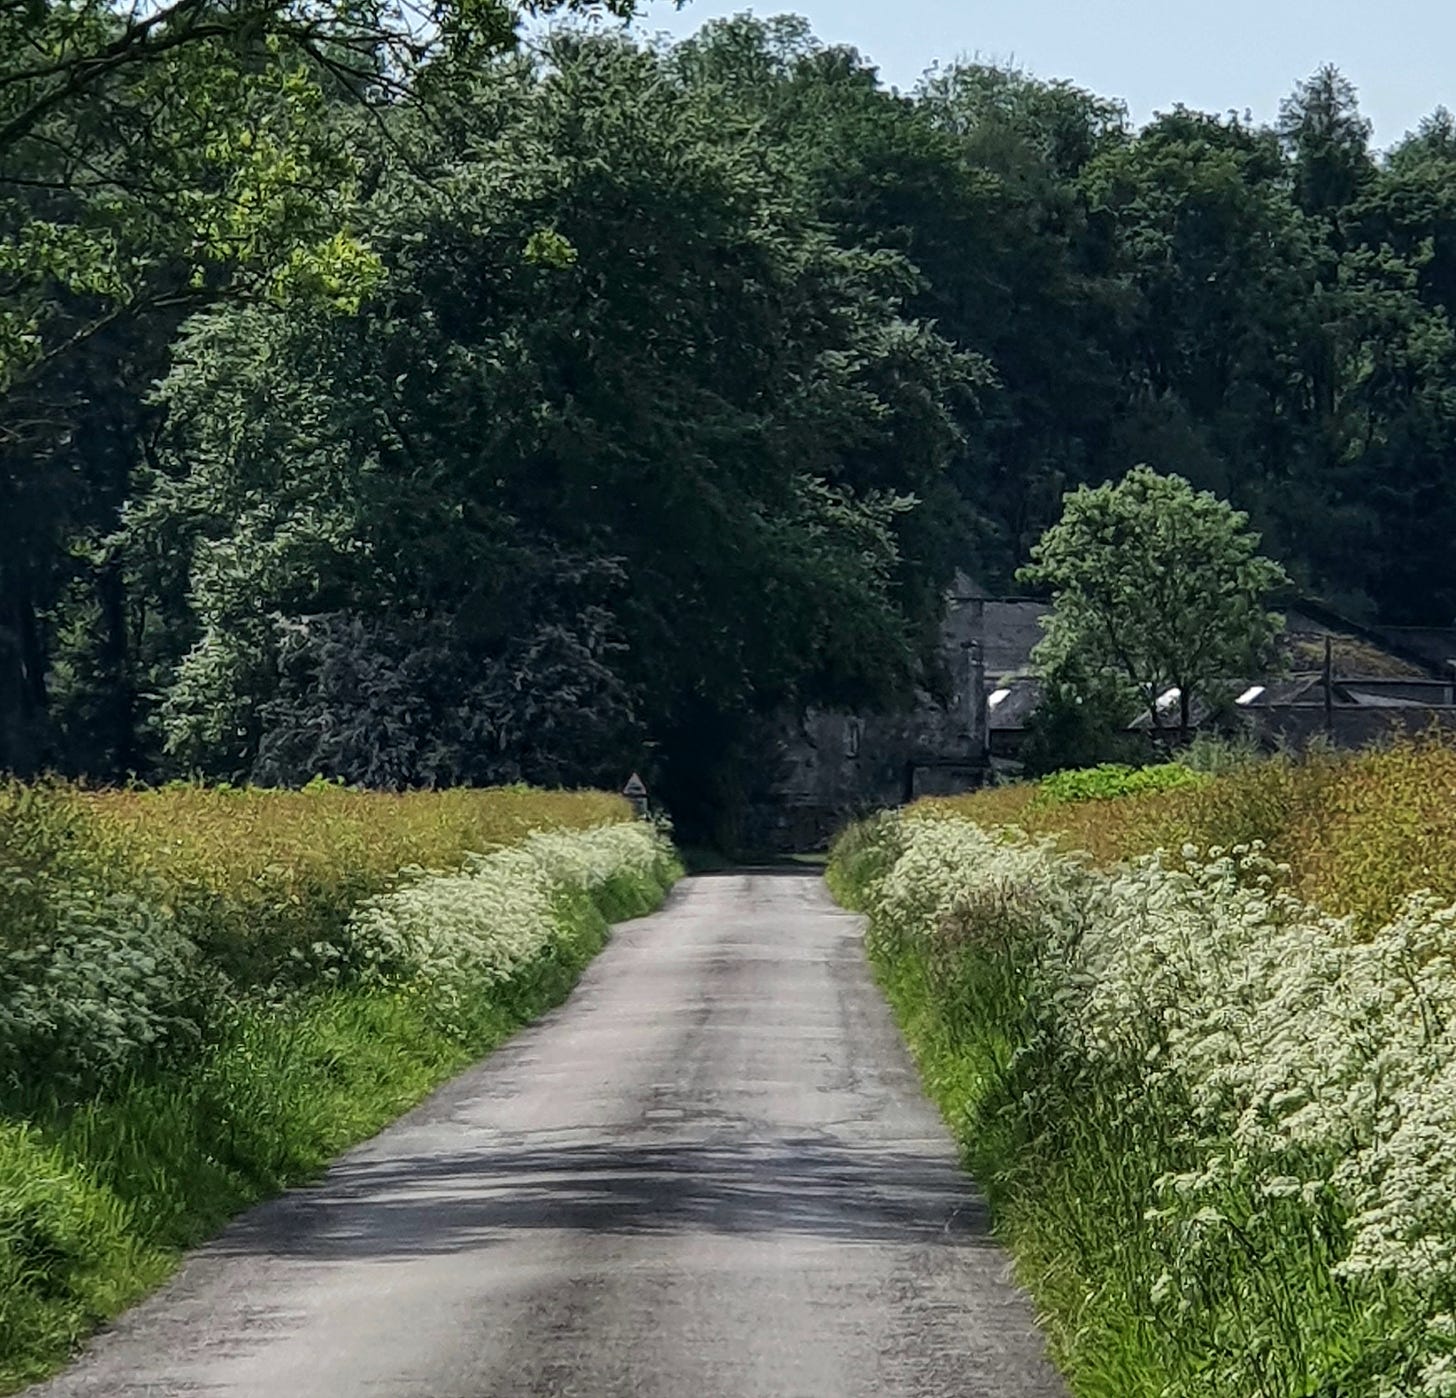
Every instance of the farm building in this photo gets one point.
(821, 768)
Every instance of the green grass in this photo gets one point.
(1069, 1167)
(1043, 1200)
(98, 1200)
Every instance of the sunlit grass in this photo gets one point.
(1359, 831)
(1213, 1120)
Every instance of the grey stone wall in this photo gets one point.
(829, 768)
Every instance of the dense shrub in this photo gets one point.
(100, 983)
(1079, 722)
(862, 853)
(1215, 1121)
(1111, 780)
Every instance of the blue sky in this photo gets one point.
(1234, 54)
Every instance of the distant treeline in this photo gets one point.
(458, 413)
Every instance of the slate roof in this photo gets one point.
(1427, 648)
(1199, 712)
(1011, 630)
(1020, 697)
(1366, 700)
(1435, 644)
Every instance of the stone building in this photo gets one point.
(824, 769)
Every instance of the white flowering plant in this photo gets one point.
(186, 1026)
(96, 981)
(452, 934)
(1236, 1114)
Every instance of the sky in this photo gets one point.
(1239, 55)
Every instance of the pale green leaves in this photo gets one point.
(337, 273)
(547, 248)
(1156, 585)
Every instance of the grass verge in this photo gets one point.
(966, 1063)
(1212, 1122)
(99, 1199)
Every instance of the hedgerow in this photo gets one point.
(1216, 1122)
(1359, 830)
(162, 1065)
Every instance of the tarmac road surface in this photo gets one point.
(711, 1174)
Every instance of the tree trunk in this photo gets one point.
(22, 677)
(120, 720)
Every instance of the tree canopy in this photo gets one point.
(1157, 588)
(384, 397)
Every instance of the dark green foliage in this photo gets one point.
(1078, 722)
(393, 704)
(545, 416)
(614, 408)
(155, 160)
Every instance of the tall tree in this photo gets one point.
(156, 158)
(608, 333)
(1328, 140)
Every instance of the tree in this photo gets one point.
(158, 157)
(1329, 140)
(609, 332)
(1213, 340)
(507, 393)
(1154, 586)
(1017, 272)
(1080, 720)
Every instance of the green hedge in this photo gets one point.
(1112, 780)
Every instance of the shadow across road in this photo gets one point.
(424, 1205)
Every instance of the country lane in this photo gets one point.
(710, 1174)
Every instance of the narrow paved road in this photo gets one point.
(711, 1174)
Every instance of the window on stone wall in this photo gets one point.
(853, 731)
